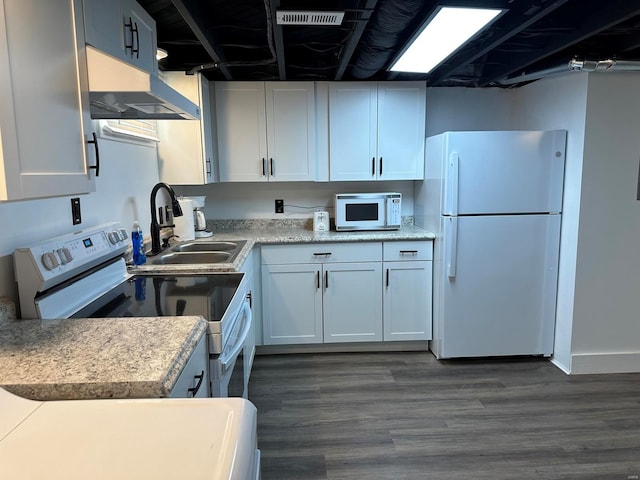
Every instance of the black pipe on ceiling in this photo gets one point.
(384, 35)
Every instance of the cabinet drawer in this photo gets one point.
(191, 374)
(412, 250)
(322, 253)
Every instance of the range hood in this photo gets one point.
(119, 90)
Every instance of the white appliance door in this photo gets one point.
(228, 378)
(503, 172)
(498, 286)
(360, 212)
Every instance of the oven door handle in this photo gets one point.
(227, 359)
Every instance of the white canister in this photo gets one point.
(321, 221)
(184, 225)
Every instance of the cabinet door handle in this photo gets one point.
(326, 279)
(194, 390)
(380, 165)
(408, 252)
(137, 49)
(317, 279)
(95, 167)
(373, 166)
(133, 29)
(264, 167)
(271, 167)
(387, 277)
(322, 254)
(208, 167)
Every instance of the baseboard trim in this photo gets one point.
(561, 366)
(408, 346)
(585, 363)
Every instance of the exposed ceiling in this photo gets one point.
(241, 40)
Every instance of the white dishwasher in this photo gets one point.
(159, 439)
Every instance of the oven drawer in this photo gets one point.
(193, 381)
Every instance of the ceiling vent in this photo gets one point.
(291, 17)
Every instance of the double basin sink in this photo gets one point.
(198, 252)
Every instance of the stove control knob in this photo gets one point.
(113, 237)
(123, 234)
(65, 255)
(49, 260)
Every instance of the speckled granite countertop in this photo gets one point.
(7, 310)
(96, 358)
(270, 232)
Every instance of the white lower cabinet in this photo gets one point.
(352, 303)
(321, 293)
(250, 343)
(193, 381)
(291, 304)
(407, 293)
(349, 292)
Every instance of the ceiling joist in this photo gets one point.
(602, 15)
(193, 14)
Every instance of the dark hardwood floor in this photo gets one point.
(409, 416)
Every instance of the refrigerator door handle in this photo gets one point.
(451, 194)
(451, 248)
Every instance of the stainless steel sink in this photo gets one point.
(191, 258)
(208, 246)
(200, 252)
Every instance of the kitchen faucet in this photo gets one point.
(155, 226)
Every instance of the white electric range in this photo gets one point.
(83, 275)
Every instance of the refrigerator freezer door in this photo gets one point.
(503, 172)
(501, 300)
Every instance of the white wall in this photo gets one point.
(127, 174)
(606, 330)
(468, 109)
(560, 103)
(256, 200)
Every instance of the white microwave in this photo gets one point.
(368, 211)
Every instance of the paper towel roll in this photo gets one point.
(184, 225)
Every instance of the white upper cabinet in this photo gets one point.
(241, 131)
(290, 109)
(186, 149)
(266, 131)
(123, 29)
(44, 119)
(353, 117)
(376, 130)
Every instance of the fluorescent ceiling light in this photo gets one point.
(450, 28)
(161, 53)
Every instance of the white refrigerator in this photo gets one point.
(494, 201)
